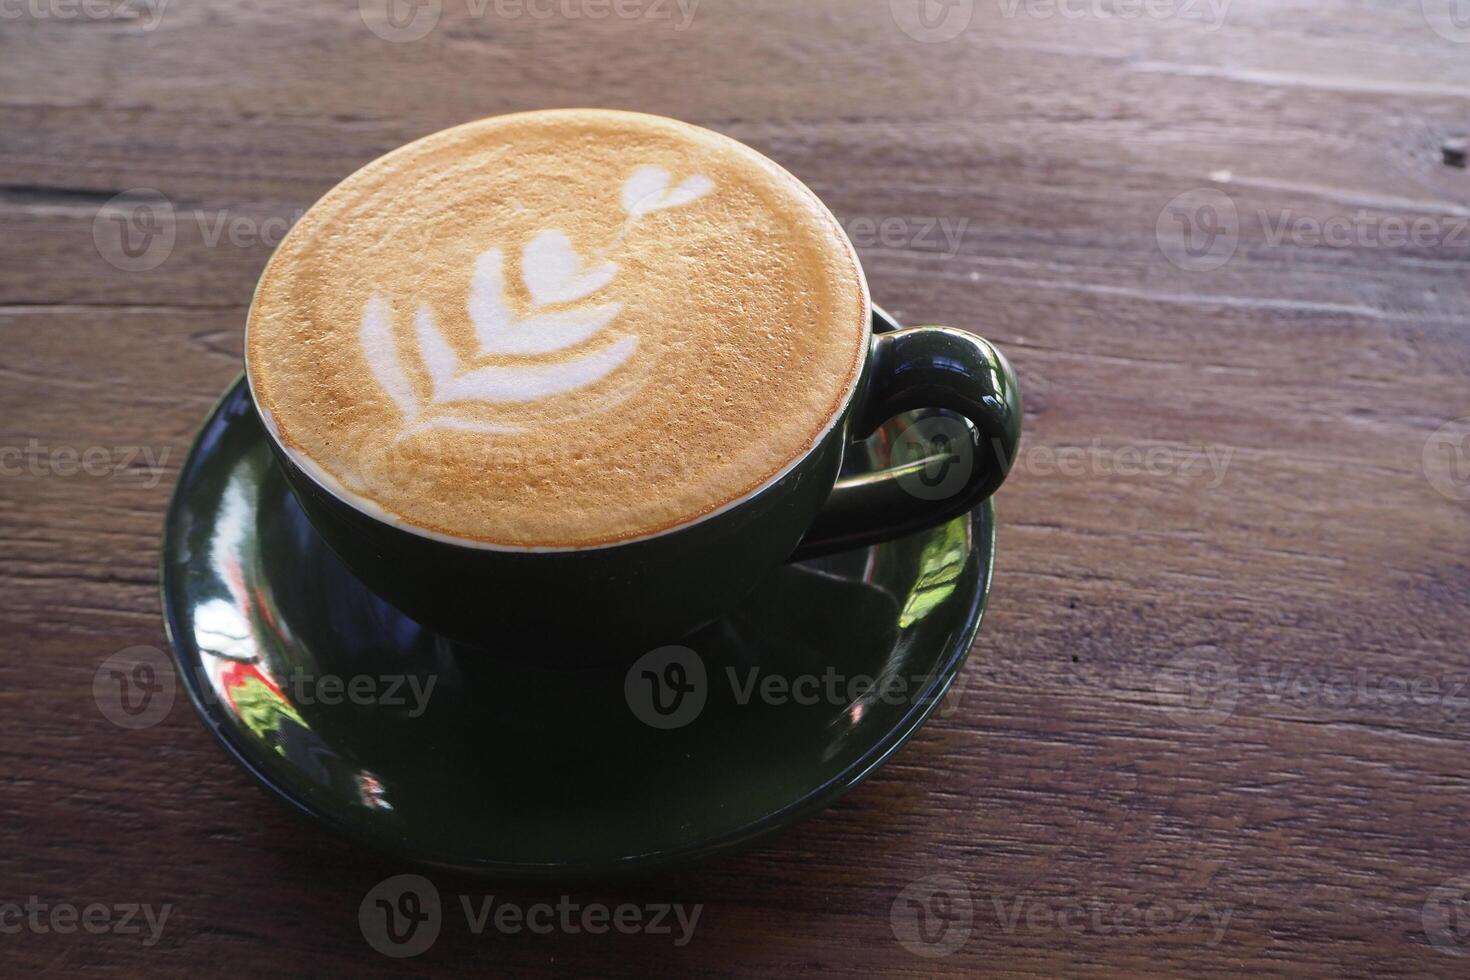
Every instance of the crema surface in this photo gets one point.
(558, 329)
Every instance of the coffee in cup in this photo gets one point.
(559, 329)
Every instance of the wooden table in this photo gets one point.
(1219, 714)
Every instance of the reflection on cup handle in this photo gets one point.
(912, 369)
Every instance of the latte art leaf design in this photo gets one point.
(553, 273)
(499, 331)
(555, 276)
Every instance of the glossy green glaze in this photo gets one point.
(511, 766)
(916, 371)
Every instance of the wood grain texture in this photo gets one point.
(1317, 568)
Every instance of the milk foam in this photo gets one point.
(559, 329)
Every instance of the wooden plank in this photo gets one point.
(1287, 531)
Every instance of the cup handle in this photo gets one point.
(914, 368)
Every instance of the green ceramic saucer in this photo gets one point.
(437, 753)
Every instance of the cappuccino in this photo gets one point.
(558, 329)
